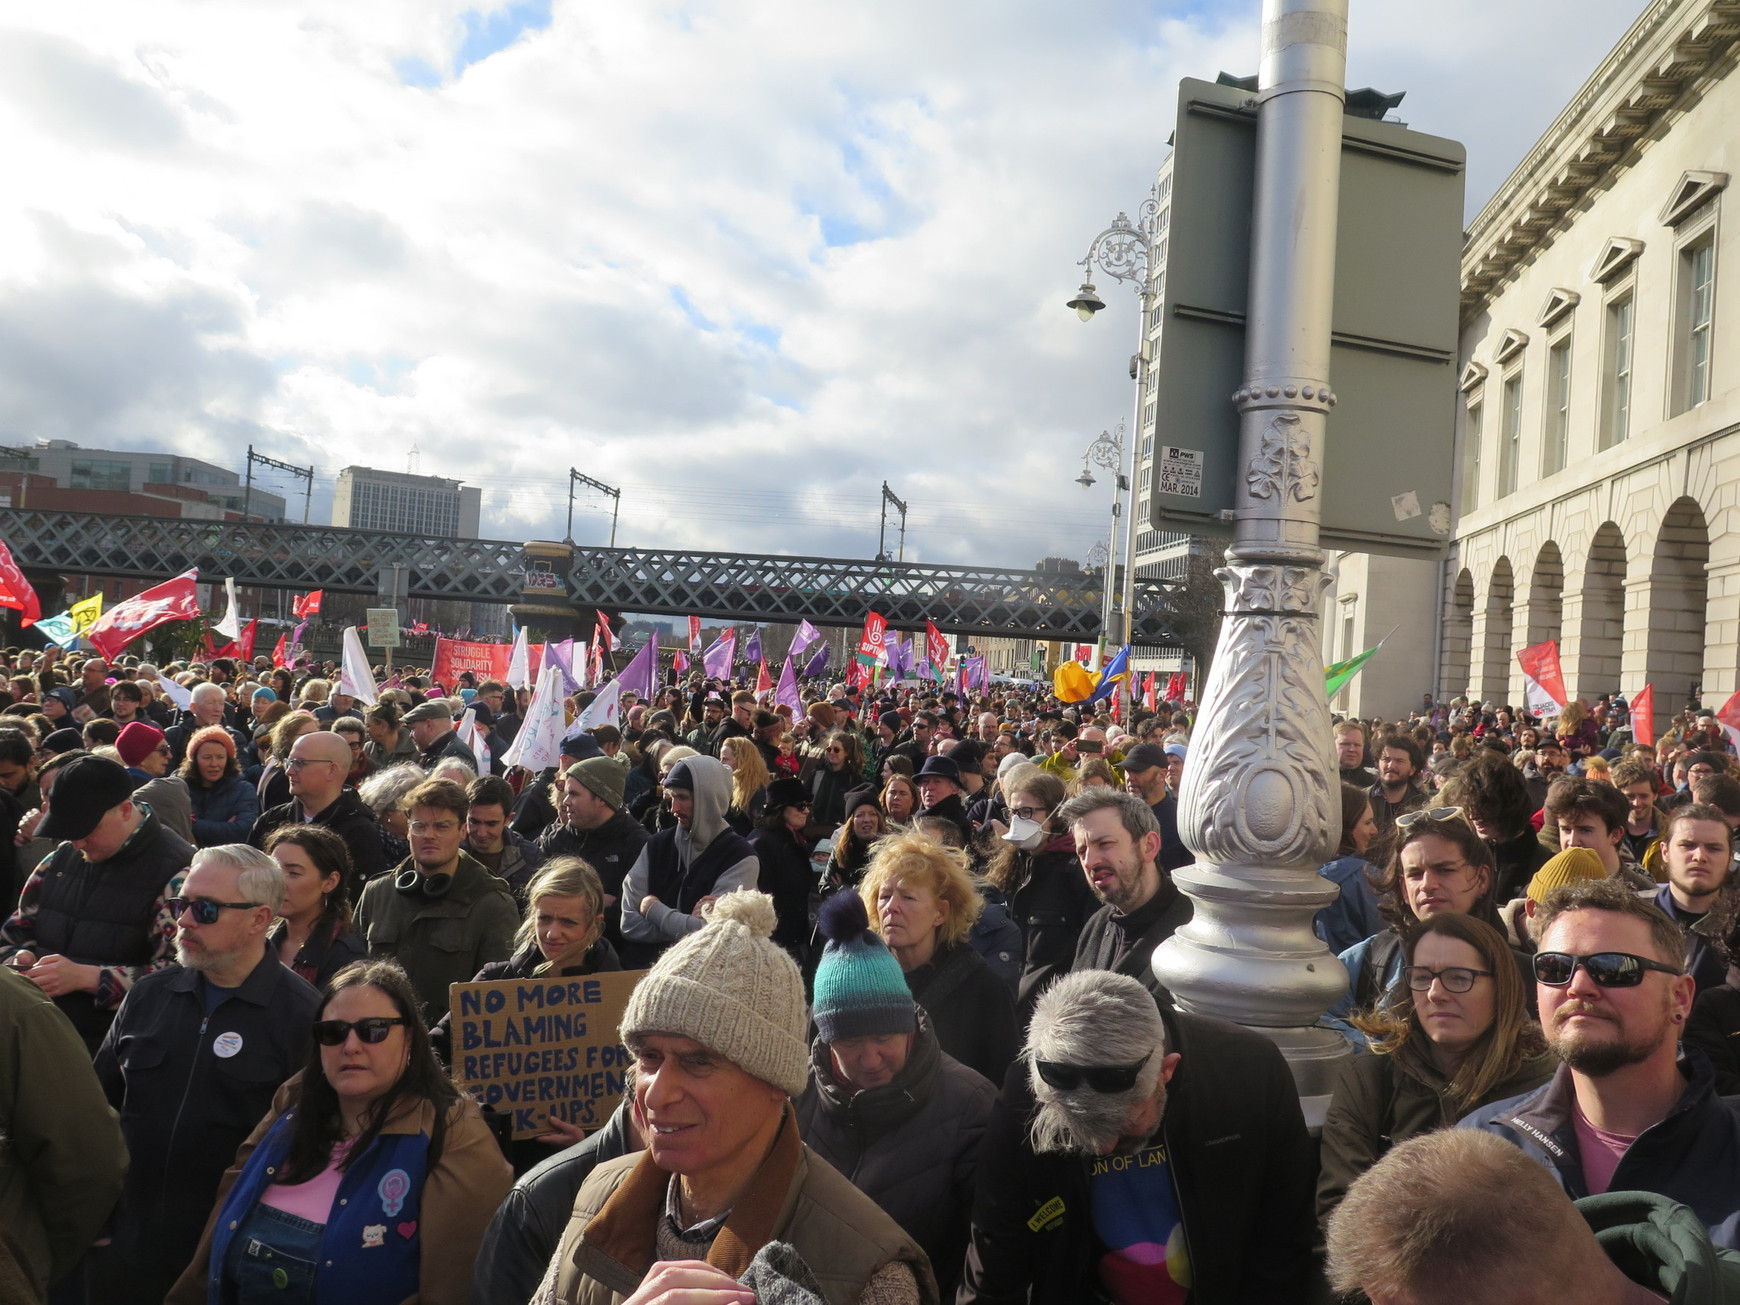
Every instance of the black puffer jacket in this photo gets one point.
(912, 1146)
(1049, 900)
(969, 1007)
(348, 817)
(611, 850)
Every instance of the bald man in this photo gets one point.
(318, 765)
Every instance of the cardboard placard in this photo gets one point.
(536, 1047)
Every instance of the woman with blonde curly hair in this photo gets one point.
(924, 903)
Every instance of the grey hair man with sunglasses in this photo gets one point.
(191, 1063)
(1137, 1153)
(1631, 1108)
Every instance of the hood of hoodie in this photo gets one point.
(712, 788)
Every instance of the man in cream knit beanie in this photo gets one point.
(717, 1032)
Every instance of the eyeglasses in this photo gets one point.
(373, 1030)
(439, 827)
(1455, 978)
(1434, 814)
(1099, 1078)
(302, 763)
(1608, 969)
(1030, 813)
(205, 911)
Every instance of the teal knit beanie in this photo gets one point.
(860, 990)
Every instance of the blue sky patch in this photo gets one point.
(487, 34)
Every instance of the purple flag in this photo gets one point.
(973, 672)
(718, 658)
(752, 649)
(818, 663)
(787, 692)
(805, 636)
(561, 656)
(641, 675)
(900, 661)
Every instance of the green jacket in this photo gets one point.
(1378, 1103)
(61, 1153)
(1662, 1245)
(441, 940)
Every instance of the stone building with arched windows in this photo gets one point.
(1598, 427)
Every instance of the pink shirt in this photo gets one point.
(1600, 1150)
(313, 1199)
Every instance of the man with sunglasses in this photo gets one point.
(1630, 1108)
(191, 1064)
(1141, 1154)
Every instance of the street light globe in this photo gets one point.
(1087, 301)
(1086, 479)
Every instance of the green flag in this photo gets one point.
(1338, 675)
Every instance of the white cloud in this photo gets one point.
(744, 260)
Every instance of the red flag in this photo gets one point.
(245, 645)
(1729, 717)
(1083, 652)
(1544, 681)
(280, 658)
(1148, 693)
(15, 590)
(870, 642)
(307, 605)
(679, 661)
(764, 681)
(694, 636)
(604, 636)
(936, 647)
(173, 600)
(1175, 687)
(1643, 716)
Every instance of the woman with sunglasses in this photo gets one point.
(783, 848)
(372, 1179)
(1033, 869)
(1440, 865)
(830, 779)
(1458, 1037)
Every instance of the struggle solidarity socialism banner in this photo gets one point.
(486, 661)
(532, 1048)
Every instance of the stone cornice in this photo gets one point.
(1648, 74)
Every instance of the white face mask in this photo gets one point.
(1025, 834)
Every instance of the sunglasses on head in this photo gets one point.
(205, 911)
(332, 1033)
(1434, 814)
(1099, 1078)
(1608, 969)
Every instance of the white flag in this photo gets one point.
(181, 697)
(519, 671)
(606, 708)
(539, 742)
(231, 626)
(356, 679)
(472, 737)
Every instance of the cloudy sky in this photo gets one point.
(745, 260)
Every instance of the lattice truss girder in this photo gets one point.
(732, 586)
(832, 591)
(268, 556)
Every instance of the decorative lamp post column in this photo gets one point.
(1260, 805)
(1108, 452)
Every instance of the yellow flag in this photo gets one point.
(84, 614)
(1071, 682)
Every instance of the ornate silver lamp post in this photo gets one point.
(1108, 452)
(1259, 804)
(1122, 251)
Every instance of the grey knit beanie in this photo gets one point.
(732, 989)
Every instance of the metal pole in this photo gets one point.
(308, 497)
(1259, 803)
(615, 507)
(1127, 595)
(569, 537)
(882, 529)
(248, 484)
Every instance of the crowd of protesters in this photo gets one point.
(898, 1038)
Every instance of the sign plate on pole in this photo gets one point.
(383, 627)
(1387, 457)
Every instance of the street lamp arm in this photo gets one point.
(1121, 250)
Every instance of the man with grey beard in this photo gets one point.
(1631, 1108)
(191, 1063)
(1140, 1154)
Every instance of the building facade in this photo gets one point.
(1598, 428)
(206, 490)
(367, 499)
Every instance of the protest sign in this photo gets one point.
(536, 1047)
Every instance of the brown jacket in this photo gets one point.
(796, 1197)
(460, 1195)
